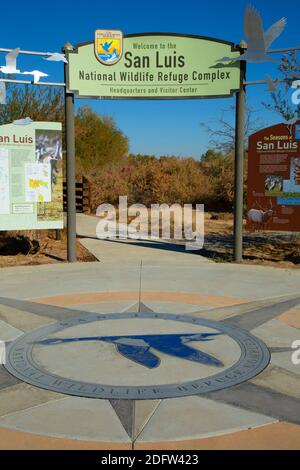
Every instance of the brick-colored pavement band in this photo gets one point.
(182, 297)
(277, 436)
(16, 440)
(283, 435)
(291, 318)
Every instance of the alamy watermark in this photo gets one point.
(296, 354)
(2, 352)
(159, 222)
(296, 94)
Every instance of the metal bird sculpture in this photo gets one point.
(37, 74)
(138, 348)
(258, 40)
(11, 62)
(56, 57)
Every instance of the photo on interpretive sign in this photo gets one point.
(273, 185)
(48, 146)
(274, 179)
(31, 176)
(48, 150)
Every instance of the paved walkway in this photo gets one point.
(114, 349)
(133, 251)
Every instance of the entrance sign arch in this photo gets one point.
(164, 66)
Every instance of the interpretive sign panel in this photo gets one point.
(274, 178)
(31, 176)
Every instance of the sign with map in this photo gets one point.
(31, 176)
(274, 178)
(152, 66)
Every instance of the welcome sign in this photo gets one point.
(152, 66)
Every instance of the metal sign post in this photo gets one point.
(239, 166)
(71, 169)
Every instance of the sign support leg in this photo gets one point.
(70, 173)
(239, 172)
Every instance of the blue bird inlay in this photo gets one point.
(138, 348)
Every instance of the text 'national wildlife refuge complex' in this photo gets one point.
(153, 66)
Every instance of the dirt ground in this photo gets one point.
(51, 251)
(278, 249)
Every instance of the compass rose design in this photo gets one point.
(149, 346)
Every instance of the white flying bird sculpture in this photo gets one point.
(36, 75)
(11, 62)
(258, 41)
(56, 57)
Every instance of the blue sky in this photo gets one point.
(153, 127)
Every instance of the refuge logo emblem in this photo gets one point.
(108, 46)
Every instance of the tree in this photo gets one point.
(218, 168)
(40, 103)
(222, 131)
(289, 68)
(210, 156)
(98, 141)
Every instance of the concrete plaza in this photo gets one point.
(261, 411)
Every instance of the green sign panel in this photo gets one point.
(152, 66)
(31, 176)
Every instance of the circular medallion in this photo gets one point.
(137, 356)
